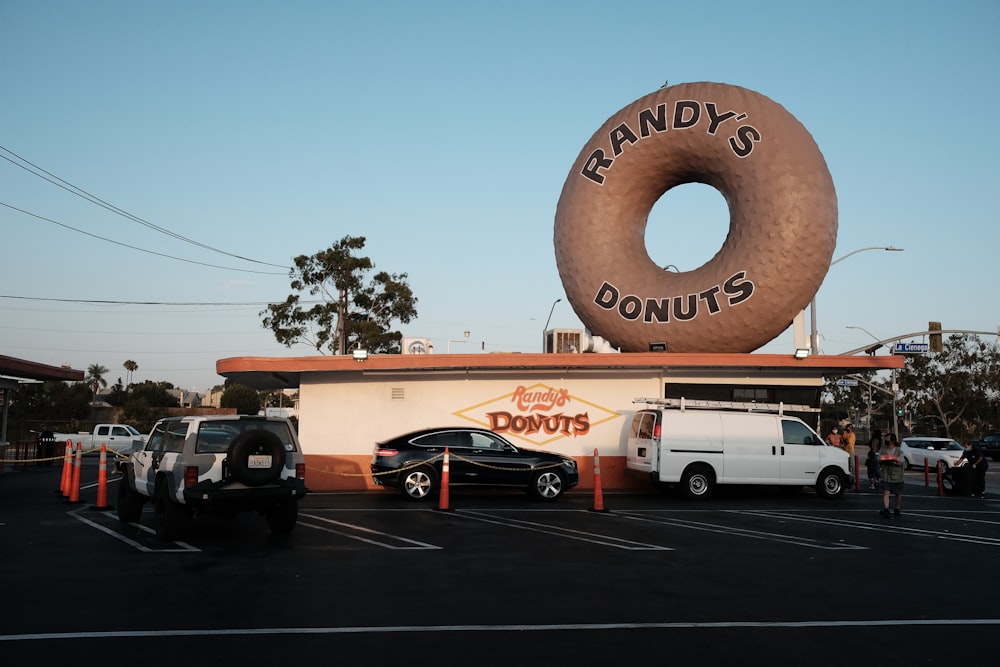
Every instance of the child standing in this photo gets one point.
(874, 475)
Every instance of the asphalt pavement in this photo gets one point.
(752, 575)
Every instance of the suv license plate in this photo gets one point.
(259, 461)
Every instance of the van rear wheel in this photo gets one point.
(698, 482)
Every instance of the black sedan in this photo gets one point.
(412, 463)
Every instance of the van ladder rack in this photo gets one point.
(749, 406)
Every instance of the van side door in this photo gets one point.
(752, 449)
(801, 453)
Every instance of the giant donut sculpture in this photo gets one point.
(782, 228)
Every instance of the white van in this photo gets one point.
(698, 444)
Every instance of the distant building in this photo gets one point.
(186, 399)
(212, 398)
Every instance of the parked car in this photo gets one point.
(989, 445)
(214, 463)
(917, 450)
(412, 463)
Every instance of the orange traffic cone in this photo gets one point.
(102, 481)
(67, 473)
(598, 491)
(445, 475)
(74, 493)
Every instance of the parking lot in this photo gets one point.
(499, 579)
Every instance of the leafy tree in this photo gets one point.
(278, 399)
(147, 402)
(52, 405)
(95, 378)
(352, 311)
(954, 388)
(853, 402)
(118, 394)
(154, 394)
(243, 398)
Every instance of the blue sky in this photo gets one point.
(443, 132)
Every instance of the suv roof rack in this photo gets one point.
(748, 406)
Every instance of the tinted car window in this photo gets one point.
(215, 436)
(642, 425)
(173, 440)
(155, 443)
(487, 441)
(450, 439)
(213, 440)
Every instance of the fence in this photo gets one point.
(22, 453)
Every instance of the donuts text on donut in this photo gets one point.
(736, 289)
(653, 120)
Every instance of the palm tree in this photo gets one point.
(131, 367)
(95, 378)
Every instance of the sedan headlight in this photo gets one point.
(570, 462)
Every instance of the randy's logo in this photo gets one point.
(686, 114)
(539, 414)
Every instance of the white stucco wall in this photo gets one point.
(347, 413)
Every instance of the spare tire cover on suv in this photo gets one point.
(256, 443)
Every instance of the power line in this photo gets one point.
(132, 247)
(146, 303)
(83, 194)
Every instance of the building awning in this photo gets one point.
(287, 372)
(21, 369)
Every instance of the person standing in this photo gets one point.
(849, 439)
(874, 474)
(834, 438)
(891, 471)
(975, 457)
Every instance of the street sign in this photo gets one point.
(847, 382)
(911, 348)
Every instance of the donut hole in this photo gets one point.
(687, 227)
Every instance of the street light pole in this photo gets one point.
(895, 417)
(546, 327)
(455, 340)
(814, 335)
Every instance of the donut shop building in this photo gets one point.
(568, 403)
(783, 229)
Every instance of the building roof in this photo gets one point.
(30, 370)
(287, 372)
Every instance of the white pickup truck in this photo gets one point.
(116, 436)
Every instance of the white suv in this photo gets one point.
(215, 463)
(918, 450)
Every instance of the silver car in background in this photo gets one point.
(916, 450)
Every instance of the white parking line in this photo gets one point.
(542, 627)
(406, 542)
(583, 536)
(181, 547)
(964, 518)
(895, 527)
(742, 532)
